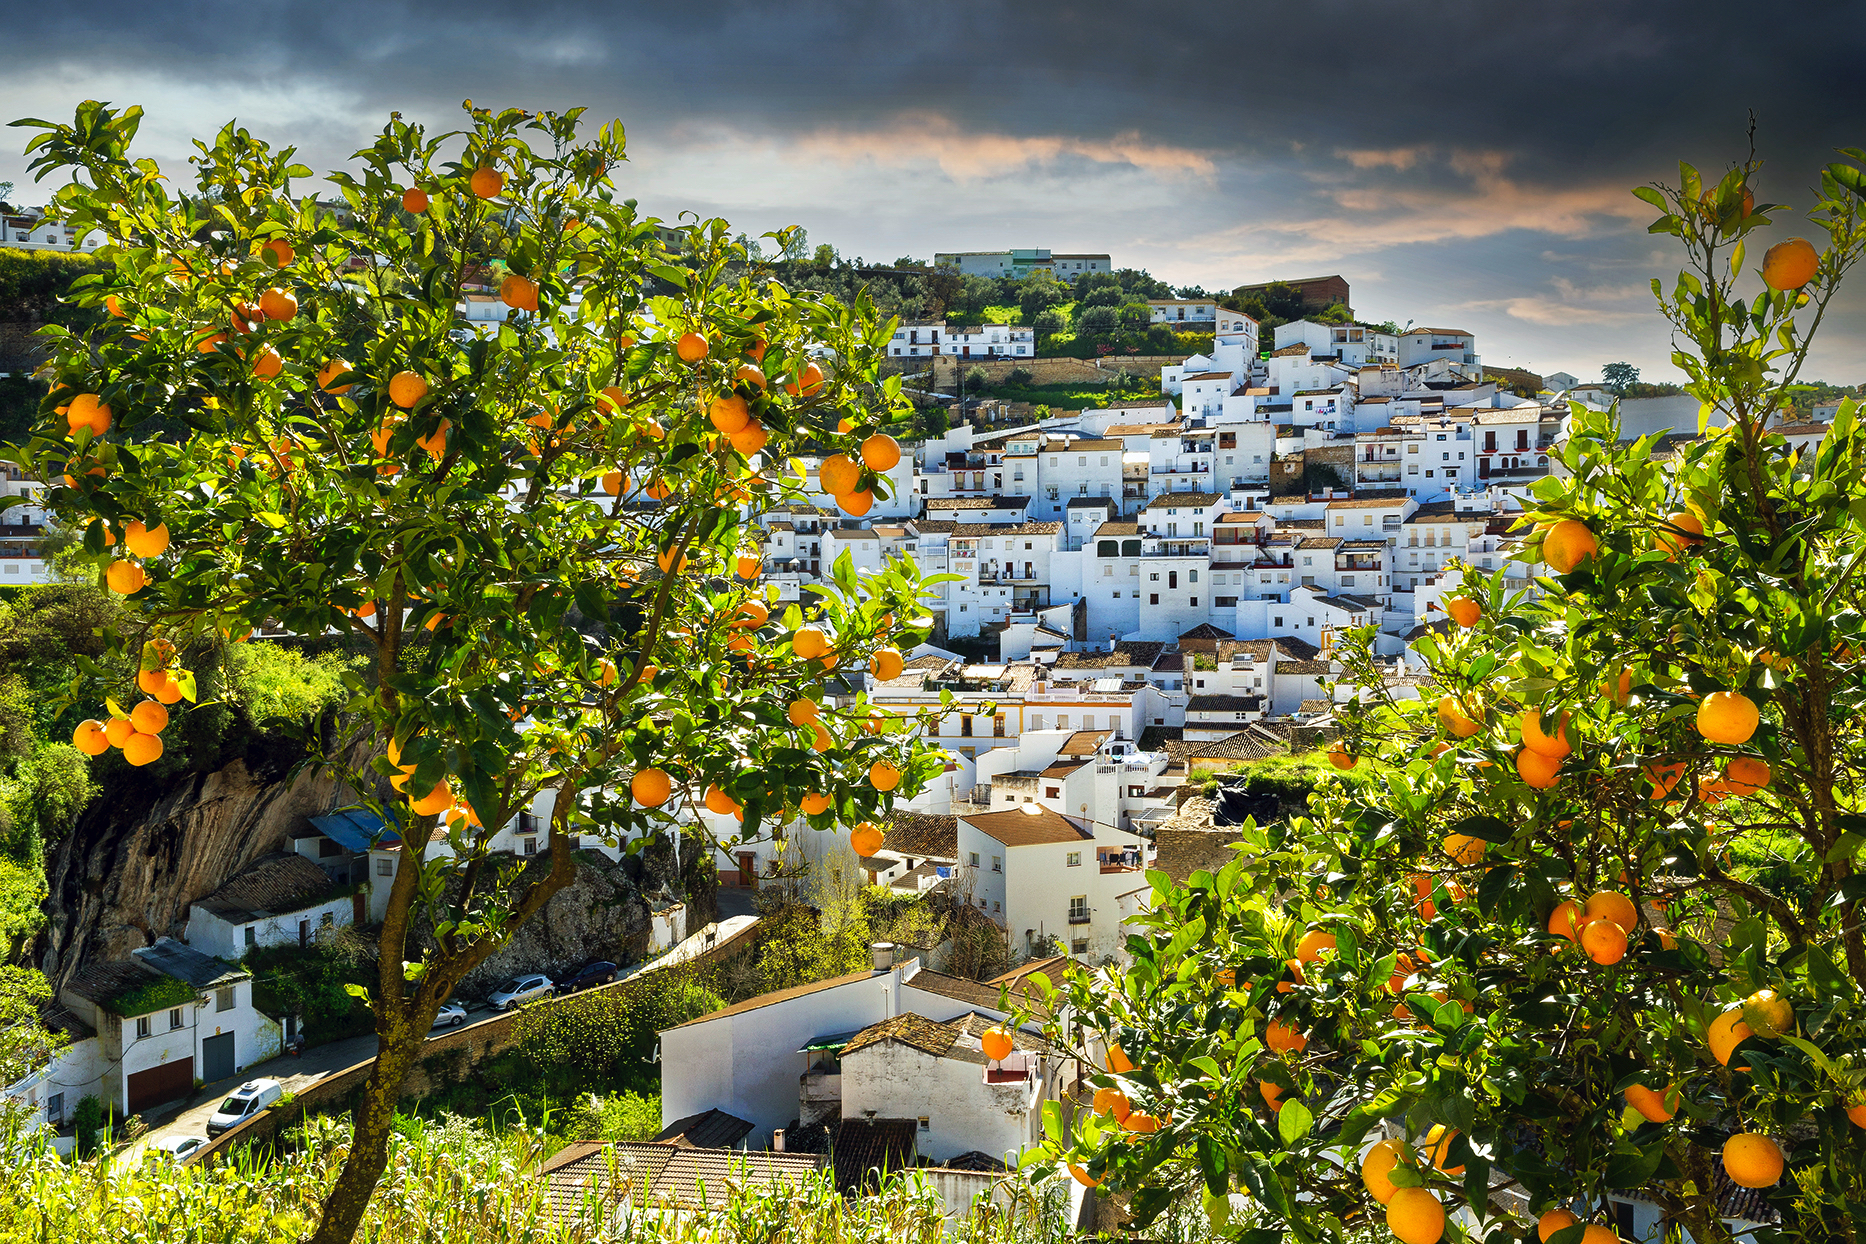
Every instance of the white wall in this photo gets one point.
(211, 935)
(963, 1113)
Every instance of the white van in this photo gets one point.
(245, 1102)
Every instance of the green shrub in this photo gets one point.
(308, 981)
(86, 1118)
(273, 682)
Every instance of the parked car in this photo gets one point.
(247, 1100)
(178, 1149)
(452, 1015)
(520, 990)
(602, 972)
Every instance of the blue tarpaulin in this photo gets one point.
(354, 829)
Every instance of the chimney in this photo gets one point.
(777, 1141)
(883, 953)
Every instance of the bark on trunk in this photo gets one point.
(374, 1120)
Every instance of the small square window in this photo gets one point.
(1078, 946)
(174, 1019)
(1073, 860)
(972, 859)
(142, 1027)
(385, 868)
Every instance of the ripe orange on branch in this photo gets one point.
(1790, 264)
(1728, 717)
(1567, 544)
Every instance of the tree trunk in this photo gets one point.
(374, 1119)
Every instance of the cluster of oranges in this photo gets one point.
(841, 476)
(138, 733)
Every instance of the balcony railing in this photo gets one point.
(1075, 918)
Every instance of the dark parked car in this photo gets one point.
(598, 973)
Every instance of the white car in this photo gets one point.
(520, 990)
(178, 1149)
(245, 1102)
(451, 1015)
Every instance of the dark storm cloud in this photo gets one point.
(1462, 161)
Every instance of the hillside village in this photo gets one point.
(1138, 595)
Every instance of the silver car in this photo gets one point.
(451, 1015)
(520, 990)
(178, 1149)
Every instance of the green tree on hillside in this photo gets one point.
(1533, 947)
(338, 452)
(1619, 377)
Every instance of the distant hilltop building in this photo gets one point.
(1021, 263)
(1318, 292)
(27, 229)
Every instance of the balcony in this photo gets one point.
(1201, 469)
(1082, 918)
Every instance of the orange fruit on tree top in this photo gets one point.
(719, 801)
(1767, 1013)
(414, 200)
(1725, 1033)
(1603, 940)
(1555, 746)
(1728, 717)
(814, 803)
(866, 839)
(1455, 718)
(89, 738)
(651, 787)
(839, 475)
(996, 1043)
(886, 663)
(125, 578)
(1568, 544)
(749, 439)
(1464, 848)
(278, 304)
(1536, 769)
(406, 388)
(267, 364)
(141, 749)
(1752, 1160)
(1565, 920)
(487, 183)
(1681, 531)
(1437, 1147)
(1614, 906)
(809, 643)
(1377, 1161)
(1340, 757)
(329, 372)
(1790, 264)
(88, 410)
(1313, 943)
(1118, 1061)
(144, 541)
(1281, 1037)
(1414, 1216)
(1463, 610)
(856, 503)
(803, 711)
(808, 381)
(691, 347)
(149, 717)
(751, 615)
(883, 776)
(881, 452)
(1651, 1103)
(1745, 775)
(519, 292)
(729, 413)
(279, 251)
(1553, 1221)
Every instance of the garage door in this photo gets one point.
(217, 1057)
(169, 1082)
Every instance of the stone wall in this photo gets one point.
(946, 368)
(446, 1058)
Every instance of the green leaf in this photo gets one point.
(1633, 1169)
(1293, 1122)
(184, 682)
(271, 518)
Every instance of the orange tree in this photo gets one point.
(534, 524)
(1598, 929)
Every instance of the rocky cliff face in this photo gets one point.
(142, 852)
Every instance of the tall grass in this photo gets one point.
(457, 1181)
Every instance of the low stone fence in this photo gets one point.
(946, 367)
(457, 1051)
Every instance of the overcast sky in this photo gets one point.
(1463, 165)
